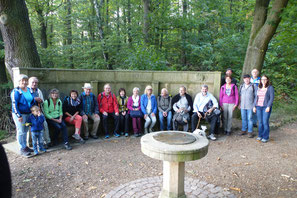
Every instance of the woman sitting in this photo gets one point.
(123, 111)
(135, 112)
(54, 113)
(71, 107)
(263, 106)
(164, 107)
(149, 109)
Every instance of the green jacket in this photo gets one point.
(50, 111)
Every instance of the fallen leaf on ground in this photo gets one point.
(287, 176)
(18, 190)
(160, 173)
(235, 174)
(247, 164)
(102, 196)
(243, 156)
(86, 163)
(236, 189)
(219, 159)
(59, 164)
(115, 141)
(26, 180)
(130, 164)
(92, 188)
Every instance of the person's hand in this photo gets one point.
(238, 106)
(72, 118)
(179, 110)
(145, 116)
(210, 110)
(116, 113)
(59, 120)
(20, 119)
(39, 113)
(124, 113)
(85, 117)
(267, 109)
(105, 113)
(164, 114)
(153, 115)
(234, 107)
(199, 114)
(254, 109)
(37, 99)
(96, 115)
(222, 108)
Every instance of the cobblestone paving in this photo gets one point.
(151, 187)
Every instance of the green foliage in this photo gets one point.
(3, 134)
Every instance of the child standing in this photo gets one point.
(36, 120)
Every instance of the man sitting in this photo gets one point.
(108, 106)
(204, 105)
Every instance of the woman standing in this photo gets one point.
(71, 107)
(149, 109)
(123, 111)
(53, 113)
(135, 111)
(228, 103)
(22, 100)
(263, 106)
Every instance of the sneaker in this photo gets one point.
(145, 131)
(25, 153)
(94, 136)
(228, 133)
(116, 134)
(126, 134)
(212, 137)
(42, 151)
(76, 136)
(29, 150)
(151, 130)
(242, 133)
(67, 146)
(45, 145)
(106, 137)
(251, 135)
(259, 139)
(82, 141)
(264, 140)
(122, 133)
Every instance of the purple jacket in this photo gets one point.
(232, 99)
(130, 104)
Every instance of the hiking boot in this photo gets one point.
(106, 137)
(116, 134)
(25, 153)
(251, 135)
(67, 146)
(242, 133)
(28, 149)
(212, 137)
(126, 134)
(264, 140)
(76, 136)
(259, 139)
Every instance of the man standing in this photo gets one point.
(247, 93)
(204, 104)
(38, 96)
(229, 72)
(108, 106)
(89, 110)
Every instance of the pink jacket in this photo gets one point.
(130, 104)
(232, 99)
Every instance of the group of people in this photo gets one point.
(30, 109)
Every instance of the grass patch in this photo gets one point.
(3, 134)
(284, 110)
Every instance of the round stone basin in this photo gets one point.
(174, 146)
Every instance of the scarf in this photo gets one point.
(123, 100)
(74, 103)
(135, 101)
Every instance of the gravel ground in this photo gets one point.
(245, 167)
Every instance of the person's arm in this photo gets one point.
(271, 96)
(236, 96)
(143, 108)
(96, 104)
(60, 108)
(154, 105)
(15, 99)
(214, 101)
(129, 104)
(46, 110)
(190, 103)
(195, 104)
(221, 96)
(40, 95)
(81, 106)
(159, 106)
(42, 119)
(115, 104)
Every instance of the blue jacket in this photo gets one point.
(36, 122)
(19, 102)
(144, 101)
(269, 97)
(94, 104)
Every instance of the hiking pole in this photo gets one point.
(198, 123)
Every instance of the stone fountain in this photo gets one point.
(174, 148)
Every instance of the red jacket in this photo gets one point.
(108, 104)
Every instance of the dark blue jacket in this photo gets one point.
(19, 102)
(94, 104)
(36, 122)
(268, 99)
(144, 101)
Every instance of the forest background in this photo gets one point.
(176, 35)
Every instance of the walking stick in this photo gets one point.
(198, 123)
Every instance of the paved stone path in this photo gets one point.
(151, 187)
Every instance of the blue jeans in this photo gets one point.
(169, 118)
(254, 118)
(37, 138)
(263, 119)
(247, 121)
(59, 127)
(21, 130)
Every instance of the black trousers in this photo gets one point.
(213, 121)
(105, 123)
(124, 122)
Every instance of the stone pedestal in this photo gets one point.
(174, 148)
(173, 180)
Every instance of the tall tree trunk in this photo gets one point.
(42, 24)
(3, 77)
(183, 52)
(263, 29)
(68, 39)
(118, 28)
(129, 22)
(19, 44)
(101, 33)
(146, 20)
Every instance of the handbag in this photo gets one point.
(136, 114)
